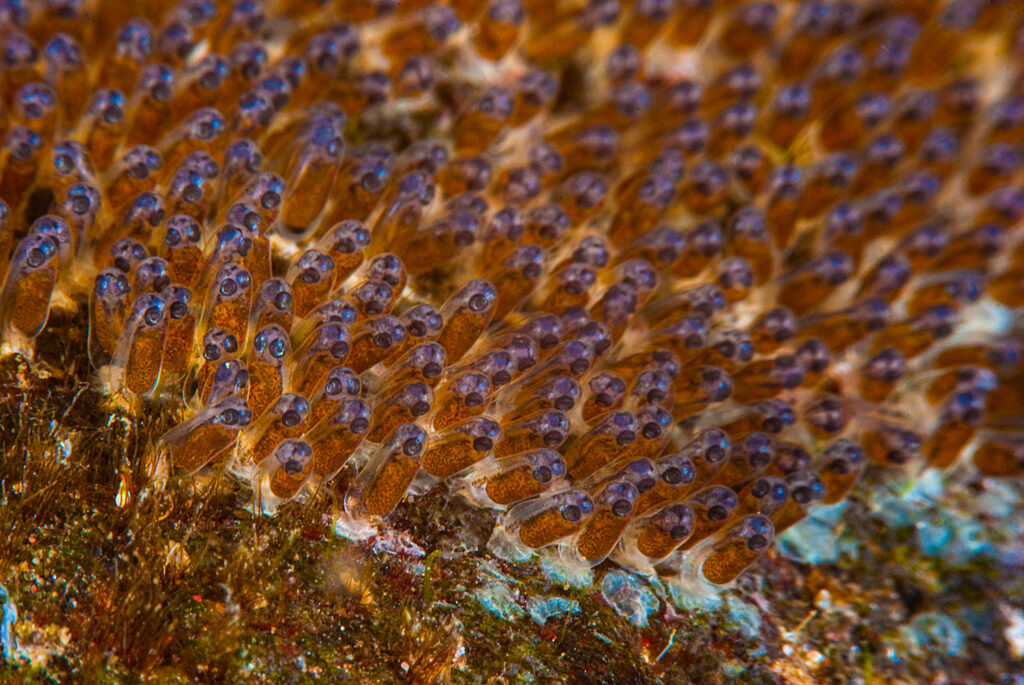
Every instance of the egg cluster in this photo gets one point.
(652, 278)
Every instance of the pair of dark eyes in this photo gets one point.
(327, 60)
(205, 130)
(336, 387)
(276, 92)
(345, 315)
(13, 58)
(255, 106)
(230, 286)
(316, 272)
(534, 96)
(418, 329)
(68, 53)
(544, 474)
(200, 11)
(573, 513)
(774, 424)
(674, 475)
(231, 417)
(414, 184)
(762, 487)
(108, 284)
(251, 160)
(276, 347)
(133, 33)
(322, 138)
(34, 103)
(729, 350)
(804, 494)
(603, 399)
(23, 149)
(497, 105)
(124, 264)
(148, 203)
(141, 170)
(212, 352)
(506, 12)
(759, 460)
(710, 182)
(174, 236)
(373, 308)
(359, 239)
(387, 268)
(840, 467)
(223, 374)
(249, 218)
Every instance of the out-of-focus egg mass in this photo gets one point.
(650, 280)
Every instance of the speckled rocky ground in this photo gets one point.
(113, 587)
